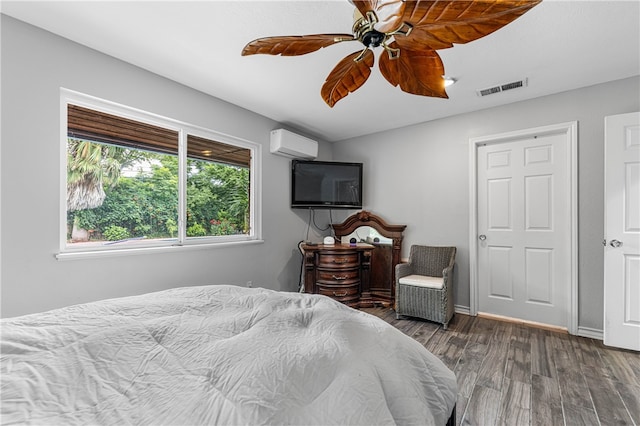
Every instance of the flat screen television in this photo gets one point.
(326, 184)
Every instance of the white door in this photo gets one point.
(524, 229)
(622, 231)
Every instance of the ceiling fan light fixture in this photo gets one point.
(373, 38)
(449, 81)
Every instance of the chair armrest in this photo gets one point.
(402, 270)
(447, 274)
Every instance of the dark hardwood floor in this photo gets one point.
(513, 374)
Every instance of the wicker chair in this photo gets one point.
(424, 286)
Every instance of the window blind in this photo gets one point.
(98, 126)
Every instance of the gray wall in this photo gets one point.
(419, 176)
(35, 64)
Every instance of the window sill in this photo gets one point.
(78, 255)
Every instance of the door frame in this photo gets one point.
(570, 130)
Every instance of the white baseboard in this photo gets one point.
(459, 309)
(591, 333)
(523, 322)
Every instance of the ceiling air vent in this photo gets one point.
(502, 87)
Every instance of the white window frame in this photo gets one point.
(182, 243)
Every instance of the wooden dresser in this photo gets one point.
(340, 271)
(379, 289)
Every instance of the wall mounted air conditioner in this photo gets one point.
(289, 144)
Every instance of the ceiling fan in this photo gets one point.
(410, 32)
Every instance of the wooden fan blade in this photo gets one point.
(388, 12)
(440, 24)
(417, 72)
(293, 45)
(347, 77)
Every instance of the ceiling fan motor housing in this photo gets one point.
(364, 31)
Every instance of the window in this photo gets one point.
(136, 180)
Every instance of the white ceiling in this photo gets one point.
(558, 46)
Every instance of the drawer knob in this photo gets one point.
(342, 294)
(339, 277)
(340, 260)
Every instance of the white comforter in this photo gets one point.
(217, 355)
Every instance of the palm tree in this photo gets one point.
(91, 166)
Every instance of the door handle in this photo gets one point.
(615, 243)
(482, 237)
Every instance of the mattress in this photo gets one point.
(217, 354)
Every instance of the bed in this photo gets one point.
(218, 354)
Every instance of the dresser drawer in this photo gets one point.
(338, 276)
(338, 260)
(339, 292)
